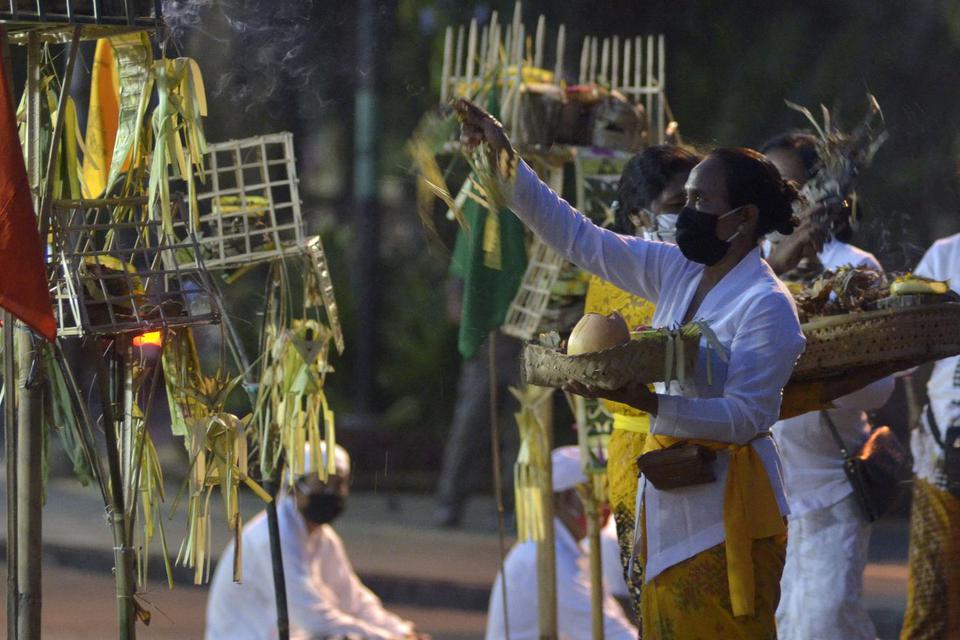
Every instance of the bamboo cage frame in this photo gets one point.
(152, 292)
(249, 204)
(475, 54)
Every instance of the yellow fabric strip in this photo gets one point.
(102, 118)
(634, 424)
(750, 512)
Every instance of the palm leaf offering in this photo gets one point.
(843, 157)
(654, 355)
(530, 478)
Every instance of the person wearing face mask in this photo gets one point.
(822, 582)
(325, 598)
(712, 551)
(649, 198)
(573, 575)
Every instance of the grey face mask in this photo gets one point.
(666, 227)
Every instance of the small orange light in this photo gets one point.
(148, 339)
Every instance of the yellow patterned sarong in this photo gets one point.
(933, 589)
(630, 428)
(691, 599)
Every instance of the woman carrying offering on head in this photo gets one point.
(712, 553)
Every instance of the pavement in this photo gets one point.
(439, 578)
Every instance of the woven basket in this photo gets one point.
(911, 335)
(643, 360)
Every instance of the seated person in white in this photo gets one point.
(325, 598)
(573, 572)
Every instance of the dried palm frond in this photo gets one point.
(842, 159)
(531, 486)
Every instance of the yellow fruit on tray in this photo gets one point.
(912, 285)
(596, 332)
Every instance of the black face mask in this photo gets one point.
(697, 236)
(321, 508)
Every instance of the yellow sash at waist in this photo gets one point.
(636, 424)
(750, 512)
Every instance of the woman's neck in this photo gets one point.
(715, 272)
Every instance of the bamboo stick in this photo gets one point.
(615, 63)
(626, 66)
(662, 86)
(585, 61)
(515, 111)
(538, 48)
(493, 43)
(561, 50)
(445, 69)
(482, 56)
(637, 67)
(457, 65)
(605, 62)
(593, 60)
(650, 80)
(471, 56)
(507, 61)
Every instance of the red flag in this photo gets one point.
(23, 273)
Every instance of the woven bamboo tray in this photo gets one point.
(908, 335)
(644, 360)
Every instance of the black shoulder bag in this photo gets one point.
(875, 471)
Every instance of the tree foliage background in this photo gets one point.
(289, 64)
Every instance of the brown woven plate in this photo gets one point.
(839, 344)
(642, 360)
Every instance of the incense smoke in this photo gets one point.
(263, 47)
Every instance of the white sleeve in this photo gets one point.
(356, 598)
(574, 613)
(633, 264)
(762, 356)
(311, 606)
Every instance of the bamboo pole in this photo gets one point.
(497, 480)
(10, 459)
(596, 565)
(482, 56)
(547, 548)
(123, 554)
(588, 497)
(29, 454)
(10, 415)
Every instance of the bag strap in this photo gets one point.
(836, 434)
(934, 428)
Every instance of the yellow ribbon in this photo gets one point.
(633, 423)
(750, 512)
